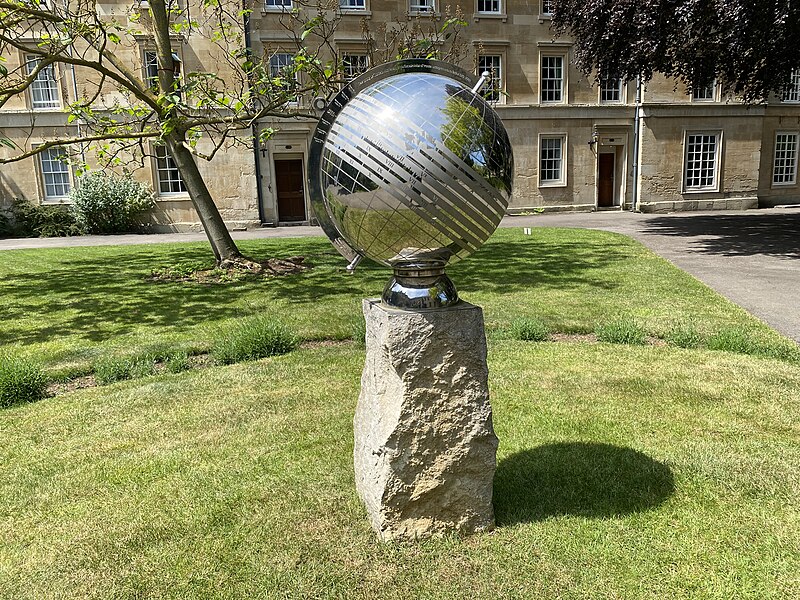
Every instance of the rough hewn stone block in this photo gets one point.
(425, 449)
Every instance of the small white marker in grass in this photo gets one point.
(526, 230)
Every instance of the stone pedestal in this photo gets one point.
(425, 450)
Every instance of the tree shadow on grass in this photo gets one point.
(578, 478)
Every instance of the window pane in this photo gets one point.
(55, 173)
(278, 3)
(547, 7)
(611, 90)
(353, 65)
(352, 4)
(169, 178)
(785, 169)
(488, 6)
(552, 78)
(43, 89)
(492, 89)
(550, 160)
(792, 93)
(701, 161)
(704, 92)
(422, 6)
(151, 69)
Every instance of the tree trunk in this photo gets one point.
(225, 250)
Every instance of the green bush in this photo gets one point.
(109, 204)
(731, 339)
(109, 369)
(31, 220)
(177, 361)
(252, 338)
(529, 330)
(622, 331)
(21, 380)
(6, 229)
(684, 335)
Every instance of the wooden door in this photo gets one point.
(605, 179)
(289, 187)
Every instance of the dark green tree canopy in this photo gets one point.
(749, 46)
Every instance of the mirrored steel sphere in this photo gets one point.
(410, 167)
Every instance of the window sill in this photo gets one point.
(173, 197)
(783, 185)
(277, 9)
(355, 12)
(555, 184)
(58, 201)
(424, 13)
(489, 15)
(714, 190)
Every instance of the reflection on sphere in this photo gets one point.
(415, 169)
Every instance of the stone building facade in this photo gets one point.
(575, 142)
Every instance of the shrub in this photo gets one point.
(6, 228)
(32, 220)
(684, 335)
(529, 330)
(177, 361)
(622, 331)
(20, 381)
(252, 338)
(731, 339)
(109, 369)
(109, 204)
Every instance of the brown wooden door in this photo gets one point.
(289, 186)
(605, 180)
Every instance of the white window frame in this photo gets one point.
(274, 69)
(163, 163)
(791, 95)
(150, 60)
(347, 70)
(788, 168)
(278, 5)
(493, 90)
(700, 94)
(353, 5)
(44, 160)
(687, 140)
(561, 181)
(563, 89)
(45, 84)
(490, 11)
(619, 88)
(425, 7)
(546, 9)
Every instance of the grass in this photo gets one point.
(529, 329)
(636, 472)
(622, 331)
(623, 472)
(252, 338)
(21, 380)
(69, 306)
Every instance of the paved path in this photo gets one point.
(751, 257)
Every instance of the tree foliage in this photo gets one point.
(750, 47)
(197, 112)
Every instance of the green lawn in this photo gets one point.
(68, 306)
(623, 472)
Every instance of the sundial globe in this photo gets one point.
(413, 169)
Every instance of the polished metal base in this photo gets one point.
(419, 286)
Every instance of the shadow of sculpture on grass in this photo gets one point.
(578, 478)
